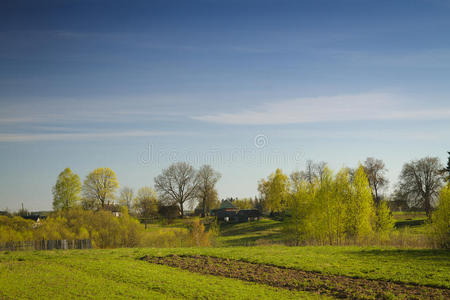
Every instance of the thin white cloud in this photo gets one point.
(28, 137)
(429, 58)
(369, 106)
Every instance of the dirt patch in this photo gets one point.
(332, 285)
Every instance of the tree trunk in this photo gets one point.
(204, 207)
(181, 209)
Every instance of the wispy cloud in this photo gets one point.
(117, 110)
(428, 58)
(368, 106)
(28, 137)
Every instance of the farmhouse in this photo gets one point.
(229, 213)
(226, 212)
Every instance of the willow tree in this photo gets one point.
(99, 187)
(66, 191)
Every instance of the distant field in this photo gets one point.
(120, 273)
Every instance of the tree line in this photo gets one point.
(177, 186)
(320, 207)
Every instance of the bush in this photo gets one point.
(103, 228)
(197, 235)
(384, 222)
(15, 229)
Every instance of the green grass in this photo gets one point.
(114, 274)
(250, 233)
(119, 273)
(419, 266)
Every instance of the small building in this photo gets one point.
(226, 212)
(115, 209)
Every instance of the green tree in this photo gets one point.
(66, 191)
(99, 187)
(441, 219)
(384, 221)
(276, 190)
(342, 196)
(244, 203)
(298, 226)
(360, 209)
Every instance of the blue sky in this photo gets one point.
(246, 86)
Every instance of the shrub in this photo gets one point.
(384, 222)
(197, 235)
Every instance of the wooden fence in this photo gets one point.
(46, 245)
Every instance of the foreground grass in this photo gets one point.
(119, 273)
(113, 274)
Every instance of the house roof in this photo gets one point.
(226, 204)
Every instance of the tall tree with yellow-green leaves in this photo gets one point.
(324, 208)
(361, 213)
(441, 219)
(99, 188)
(342, 196)
(275, 191)
(298, 226)
(66, 191)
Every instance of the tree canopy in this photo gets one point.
(421, 181)
(99, 188)
(66, 191)
(177, 184)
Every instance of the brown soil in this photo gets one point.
(332, 285)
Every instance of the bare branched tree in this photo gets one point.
(126, 197)
(313, 171)
(207, 194)
(146, 204)
(421, 181)
(177, 184)
(376, 175)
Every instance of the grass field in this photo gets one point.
(250, 233)
(120, 273)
